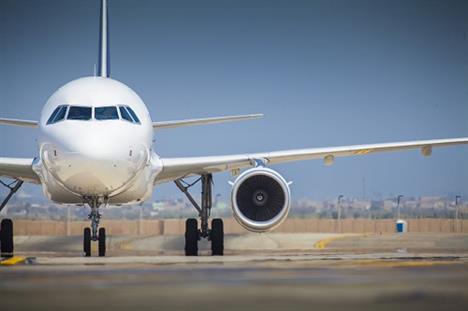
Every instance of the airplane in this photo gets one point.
(95, 148)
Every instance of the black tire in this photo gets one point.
(102, 242)
(217, 237)
(191, 237)
(6, 238)
(87, 242)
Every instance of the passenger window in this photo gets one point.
(58, 114)
(124, 114)
(79, 113)
(106, 113)
(134, 116)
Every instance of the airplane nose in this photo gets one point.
(94, 165)
(98, 146)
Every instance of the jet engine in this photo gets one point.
(260, 199)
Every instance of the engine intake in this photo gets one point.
(260, 199)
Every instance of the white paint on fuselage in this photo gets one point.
(108, 159)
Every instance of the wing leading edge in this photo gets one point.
(18, 122)
(156, 125)
(18, 168)
(203, 121)
(174, 168)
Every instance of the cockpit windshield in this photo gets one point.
(79, 113)
(134, 116)
(100, 113)
(58, 114)
(125, 115)
(128, 114)
(106, 113)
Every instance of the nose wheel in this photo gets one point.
(94, 234)
(192, 233)
(102, 242)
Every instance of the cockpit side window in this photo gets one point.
(61, 114)
(51, 119)
(58, 114)
(134, 116)
(124, 114)
(79, 113)
(106, 113)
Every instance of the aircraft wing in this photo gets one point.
(203, 121)
(18, 168)
(18, 122)
(156, 125)
(174, 168)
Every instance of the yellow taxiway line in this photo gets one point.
(12, 261)
(323, 243)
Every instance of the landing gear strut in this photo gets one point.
(192, 233)
(6, 225)
(94, 233)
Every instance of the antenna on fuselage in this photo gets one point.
(104, 54)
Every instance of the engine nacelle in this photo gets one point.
(260, 199)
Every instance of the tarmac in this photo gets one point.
(273, 271)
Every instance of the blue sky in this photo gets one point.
(324, 73)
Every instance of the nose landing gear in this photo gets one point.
(94, 233)
(192, 233)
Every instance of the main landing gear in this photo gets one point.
(192, 233)
(94, 233)
(6, 225)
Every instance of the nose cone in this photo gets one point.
(98, 144)
(100, 161)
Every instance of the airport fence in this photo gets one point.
(177, 226)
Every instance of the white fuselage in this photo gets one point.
(108, 159)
